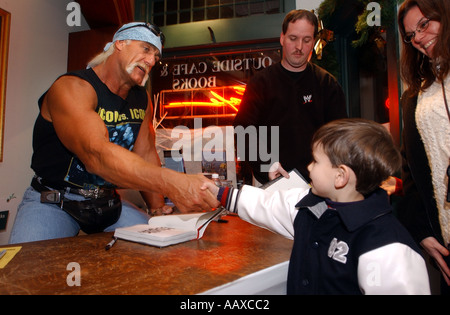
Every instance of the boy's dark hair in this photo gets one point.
(363, 145)
(295, 15)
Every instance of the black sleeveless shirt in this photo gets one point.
(123, 118)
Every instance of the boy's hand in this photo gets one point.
(276, 171)
(187, 192)
(211, 187)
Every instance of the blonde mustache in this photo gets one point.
(146, 68)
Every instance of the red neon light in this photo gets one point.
(215, 101)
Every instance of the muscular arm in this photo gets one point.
(145, 147)
(70, 104)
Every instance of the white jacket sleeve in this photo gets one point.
(274, 211)
(394, 269)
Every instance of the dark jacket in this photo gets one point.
(331, 248)
(417, 210)
(298, 104)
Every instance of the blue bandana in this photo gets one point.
(144, 34)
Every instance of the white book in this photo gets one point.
(295, 180)
(167, 230)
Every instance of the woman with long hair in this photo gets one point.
(425, 209)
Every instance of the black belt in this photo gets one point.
(40, 186)
(102, 207)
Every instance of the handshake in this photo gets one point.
(276, 170)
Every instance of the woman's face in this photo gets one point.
(424, 32)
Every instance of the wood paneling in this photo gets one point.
(83, 46)
(104, 18)
(104, 13)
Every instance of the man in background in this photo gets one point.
(294, 95)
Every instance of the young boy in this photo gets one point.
(346, 238)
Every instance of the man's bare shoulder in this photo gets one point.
(72, 89)
(70, 82)
(66, 91)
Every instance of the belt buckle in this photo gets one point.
(91, 193)
(51, 196)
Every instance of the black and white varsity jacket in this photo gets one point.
(339, 248)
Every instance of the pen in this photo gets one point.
(2, 253)
(111, 244)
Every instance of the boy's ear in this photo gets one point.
(342, 176)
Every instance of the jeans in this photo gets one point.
(36, 221)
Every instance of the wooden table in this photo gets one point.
(227, 252)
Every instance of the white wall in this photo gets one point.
(37, 56)
(308, 4)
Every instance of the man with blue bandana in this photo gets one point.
(94, 134)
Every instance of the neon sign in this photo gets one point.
(201, 103)
(209, 84)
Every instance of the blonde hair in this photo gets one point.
(103, 56)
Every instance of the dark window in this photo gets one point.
(169, 12)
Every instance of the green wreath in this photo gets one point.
(365, 32)
(370, 39)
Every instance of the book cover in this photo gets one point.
(167, 230)
(295, 180)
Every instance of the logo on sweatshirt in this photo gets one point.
(307, 99)
(338, 251)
